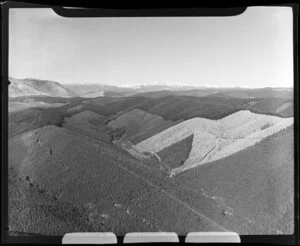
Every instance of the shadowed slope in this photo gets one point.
(176, 154)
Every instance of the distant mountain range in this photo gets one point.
(34, 87)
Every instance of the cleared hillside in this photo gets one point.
(216, 139)
(256, 183)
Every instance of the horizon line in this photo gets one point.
(155, 84)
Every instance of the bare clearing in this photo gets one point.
(216, 139)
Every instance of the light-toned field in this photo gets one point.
(216, 139)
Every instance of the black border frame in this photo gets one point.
(207, 9)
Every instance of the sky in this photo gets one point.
(254, 49)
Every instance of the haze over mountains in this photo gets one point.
(22, 87)
(149, 158)
(27, 87)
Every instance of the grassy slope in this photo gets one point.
(256, 182)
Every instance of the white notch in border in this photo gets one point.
(89, 238)
(151, 237)
(212, 237)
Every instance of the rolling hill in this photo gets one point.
(138, 123)
(242, 93)
(266, 92)
(34, 87)
(168, 160)
(275, 106)
(68, 182)
(90, 124)
(29, 119)
(172, 107)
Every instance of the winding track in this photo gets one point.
(156, 155)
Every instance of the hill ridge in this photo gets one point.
(34, 87)
(216, 139)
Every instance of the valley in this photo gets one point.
(150, 160)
